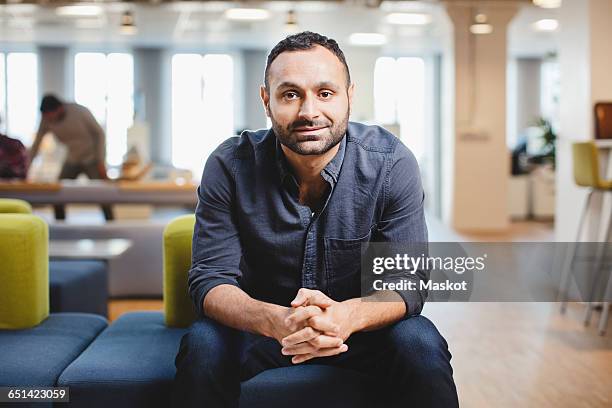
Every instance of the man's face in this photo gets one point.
(308, 100)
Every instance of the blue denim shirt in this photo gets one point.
(252, 232)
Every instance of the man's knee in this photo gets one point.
(417, 343)
(208, 347)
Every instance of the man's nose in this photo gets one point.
(309, 109)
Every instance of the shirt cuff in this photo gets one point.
(200, 293)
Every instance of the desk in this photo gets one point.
(88, 249)
(101, 192)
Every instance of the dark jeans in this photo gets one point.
(72, 171)
(410, 357)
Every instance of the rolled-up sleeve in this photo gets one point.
(216, 249)
(403, 222)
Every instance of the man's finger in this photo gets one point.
(301, 297)
(301, 348)
(301, 314)
(322, 342)
(306, 334)
(323, 324)
(311, 297)
(300, 358)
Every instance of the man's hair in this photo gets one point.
(50, 103)
(305, 41)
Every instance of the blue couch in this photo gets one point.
(131, 362)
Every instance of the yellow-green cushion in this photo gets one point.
(178, 308)
(14, 206)
(24, 271)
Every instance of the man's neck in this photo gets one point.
(308, 168)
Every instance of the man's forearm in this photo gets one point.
(232, 307)
(376, 311)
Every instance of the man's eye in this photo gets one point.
(291, 95)
(326, 94)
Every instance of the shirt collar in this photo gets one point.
(331, 170)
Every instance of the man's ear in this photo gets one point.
(350, 91)
(265, 99)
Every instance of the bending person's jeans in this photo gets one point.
(73, 170)
(410, 357)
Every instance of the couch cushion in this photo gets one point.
(24, 261)
(78, 286)
(14, 206)
(37, 356)
(131, 364)
(134, 359)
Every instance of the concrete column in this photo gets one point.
(585, 58)
(481, 158)
(53, 69)
(149, 104)
(254, 63)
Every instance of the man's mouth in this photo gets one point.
(309, 130)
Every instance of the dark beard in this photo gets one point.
(331, 138)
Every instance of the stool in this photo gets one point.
(78, 286)
(586, 174)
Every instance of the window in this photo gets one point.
(19, 95)
(202, 107)
(399, 99)
(104, 83)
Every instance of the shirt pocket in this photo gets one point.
(343, 266)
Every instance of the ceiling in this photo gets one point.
(191, 24)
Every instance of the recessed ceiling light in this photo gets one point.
(547, 3)
(247, 14)
(408, 18)
(481, 28)
(480, 25)
(547, 24)
(79, 11)
(367, 39)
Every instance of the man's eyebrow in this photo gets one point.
(288, 85)
(323, 84)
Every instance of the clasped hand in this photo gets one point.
(315, 326)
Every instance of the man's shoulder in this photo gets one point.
(371, 137)
(243, 146)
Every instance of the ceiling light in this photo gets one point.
(128, 24)
(78, 11)
(291, 24)
(480, 25)
(247, 14)
(367, 39)
(547, 3)
(547, 24)
(408, 18)
(18, 8)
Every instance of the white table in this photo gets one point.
(94, 249)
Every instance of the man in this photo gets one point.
(75, 127)
(281, 217)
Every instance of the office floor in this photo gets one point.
(511, 354)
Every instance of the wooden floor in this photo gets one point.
(511, 354)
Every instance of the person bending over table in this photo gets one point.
(74, 126)
(282, 213)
